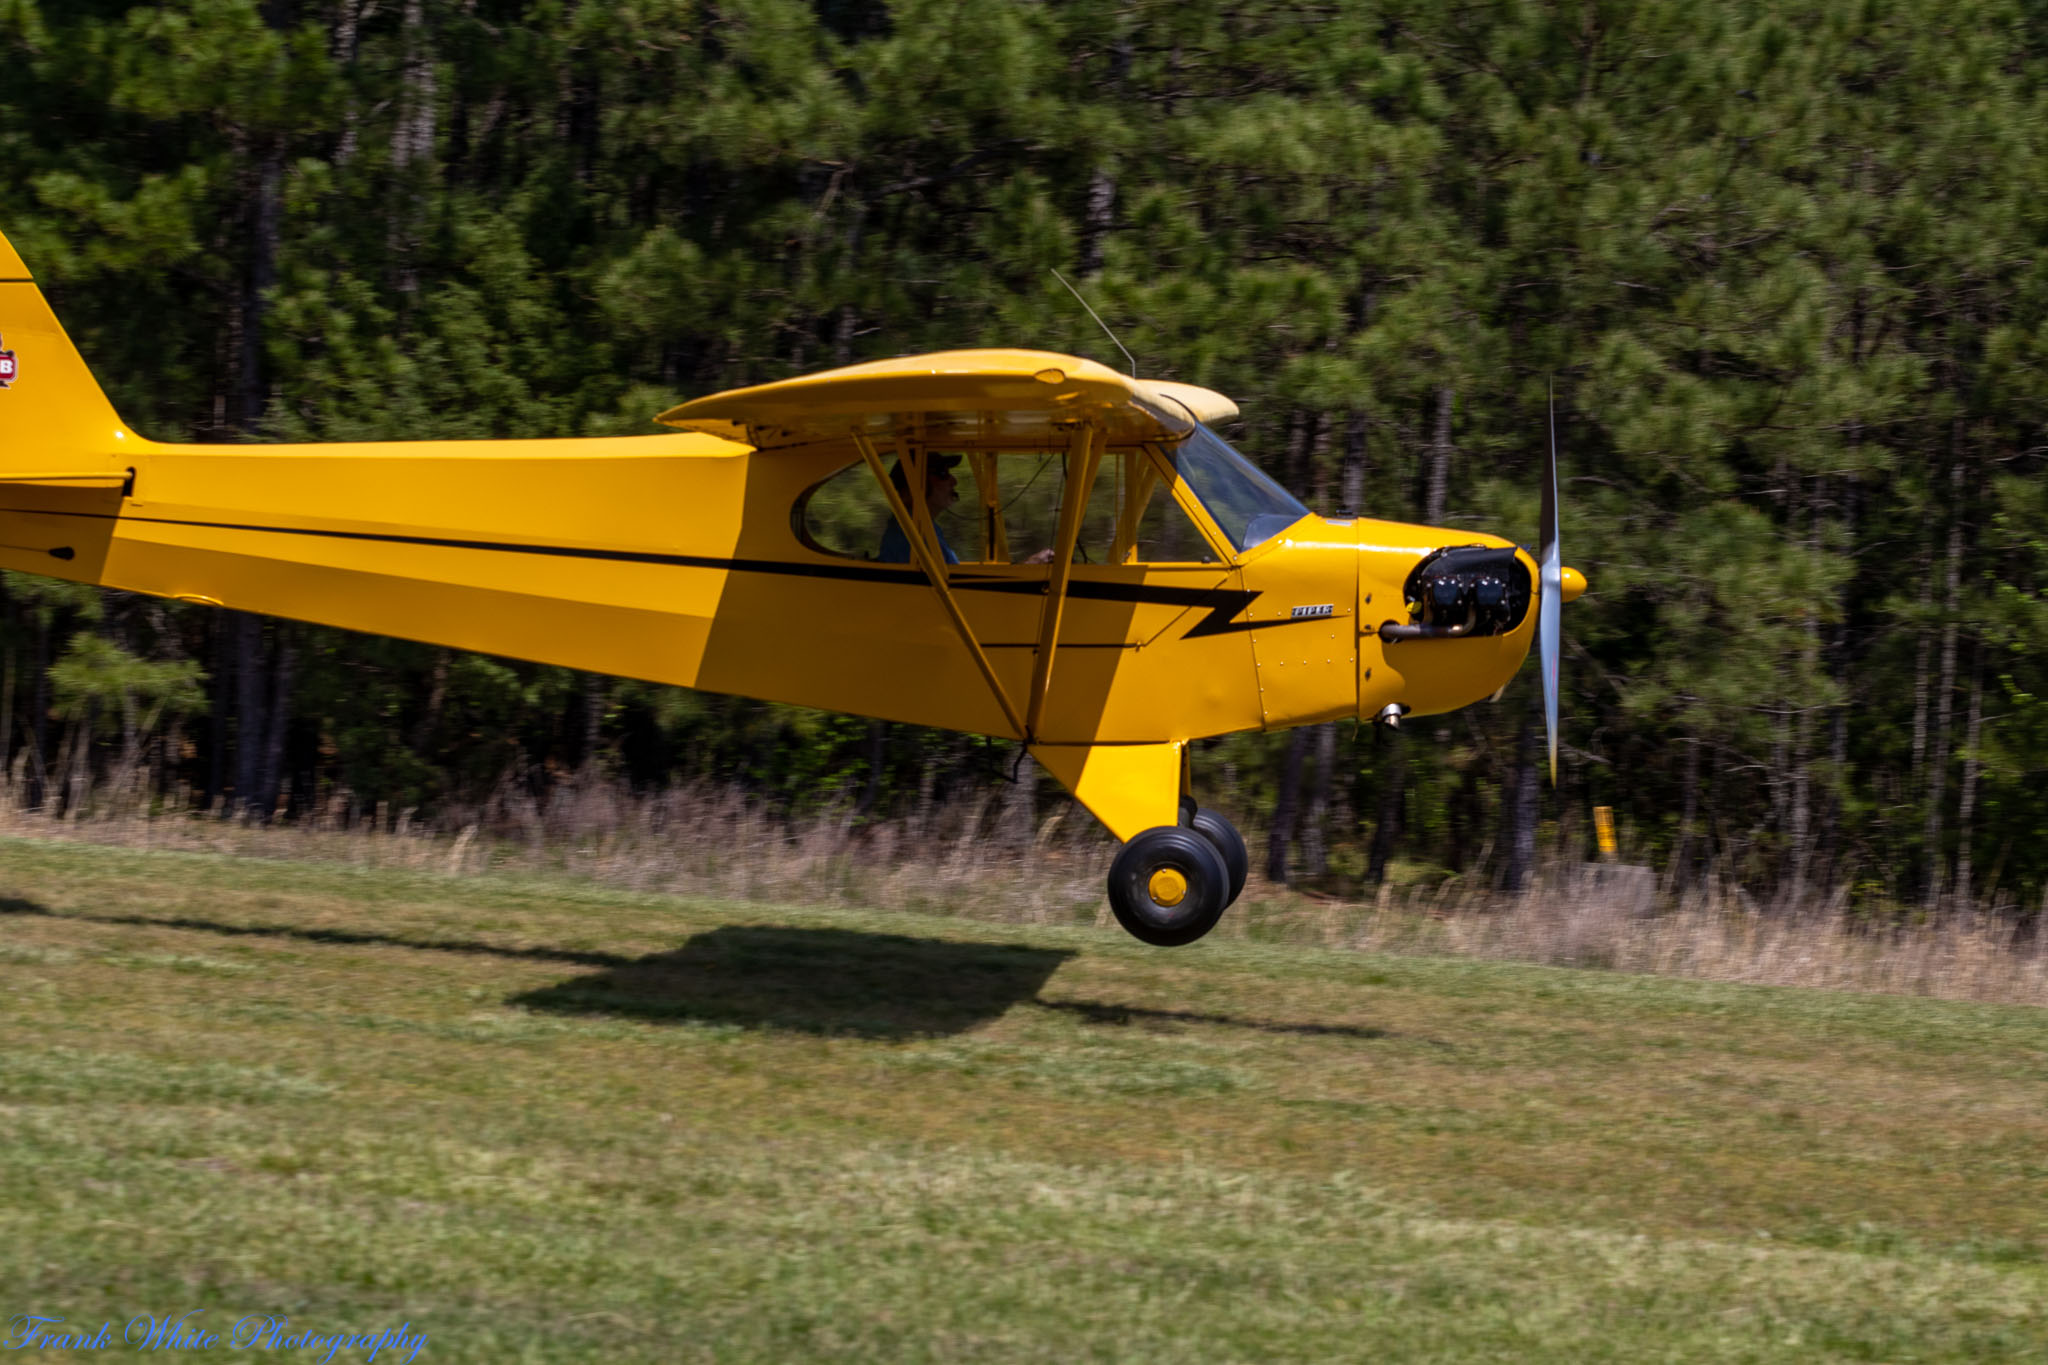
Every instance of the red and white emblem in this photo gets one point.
(8, 368)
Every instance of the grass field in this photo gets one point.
(541, 1121)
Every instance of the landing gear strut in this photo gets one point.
(1169, 885)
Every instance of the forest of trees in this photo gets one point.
(1784, 264)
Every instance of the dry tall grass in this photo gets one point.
(992, 863)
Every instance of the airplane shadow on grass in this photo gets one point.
(825, 981)
(883, 986)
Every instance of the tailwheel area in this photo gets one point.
(1169, 886)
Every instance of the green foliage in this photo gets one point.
(96, 677)
(1783, 267)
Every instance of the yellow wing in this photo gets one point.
(983, 399)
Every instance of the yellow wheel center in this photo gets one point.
(1168, 887)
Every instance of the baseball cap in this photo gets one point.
(934, 464)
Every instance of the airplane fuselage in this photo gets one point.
(676, 559)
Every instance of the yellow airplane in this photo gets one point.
(1175, 591)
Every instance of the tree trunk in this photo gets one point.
(78, 772)
(1440, 459)
(1020, 806)
(596, 688)
(270, 767)
(1319, 467)
(1386, 829)
(1778, 776)
(1945, 692)
(878, 758)
(412, 140)
(1286, 807)
(265, 226)
(578, 119)
(427, 727)
(347, 42)
(842, 335)
(1351, 484)
(1917, 770)
(1300, 433)
(1681, 857)
(131, 738)
(1799, 824)
(412, 145)
(39, 716)
(252, 696)
(220, 712)
(1519, 838)
(165, 753)
(927, 787)
(1828, 855)
(7, 679)
(1826, 842)
(1100, 213)
(1967, 802)
(1315, 833)
(1096, 219)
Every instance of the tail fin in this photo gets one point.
(56, 426)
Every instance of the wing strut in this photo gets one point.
(935, 573)
(1082, 457)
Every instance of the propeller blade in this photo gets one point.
(1550, 603)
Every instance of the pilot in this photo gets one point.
(941, 491)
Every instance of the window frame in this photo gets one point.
(1150, 455)
(1168, 475)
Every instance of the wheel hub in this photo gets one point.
(1167, 886)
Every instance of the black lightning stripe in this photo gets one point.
(1223, 604)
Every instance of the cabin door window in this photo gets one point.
(1132, 516)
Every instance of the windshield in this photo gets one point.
(1250, 507)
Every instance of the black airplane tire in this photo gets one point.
(1168, 886)
(1237, 859)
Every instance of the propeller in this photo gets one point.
(1550, 603)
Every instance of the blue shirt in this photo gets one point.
(896, 546)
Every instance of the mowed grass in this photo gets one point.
(539, 1121)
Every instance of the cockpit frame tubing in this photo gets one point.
(934, 569)
(995, 537)
(1083, 455)
(1140, 476)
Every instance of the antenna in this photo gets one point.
(1098, 319)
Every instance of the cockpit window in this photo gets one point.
(1250, 507)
